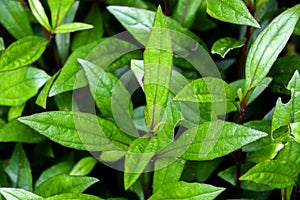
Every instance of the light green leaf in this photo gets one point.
(20, 85)
(72, 27)
(22, 52)
(274, 173)
(268, 152)
(73, 196)
(39, 13)
(158, 58)
(64, 184)
(207, 90)
(18, 169)
(295, 131)
(59, 9)
(281, 115)
(84, 166)
(15, 112)
(15, 131)
(290, 153)
(130, 3)
(185, 191)
(77, 130)
(168, 174)
(137, 67)
(185, 12)
(14, 18)
(2, 45)
(224, 45)
(18, 194)
(267, 46)
(234, 11)
(138, 157)
(57, 169)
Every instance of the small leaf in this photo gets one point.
(22, 52)
(72, 27)
(290, 153)
(84, 166)
(15, 112)
(59, 10)
(18, 194)
(185, 191)
(267, 46)
(39, 13)
(15, 131)
(73, 196)
(14, 18)
(20, 85)
(268, 152)
(295, 131)
(274, 173)
(18, 169)
(224, 45)
(234, 11)
(64, 184)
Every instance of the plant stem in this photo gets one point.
(54, 51)
(167, 7)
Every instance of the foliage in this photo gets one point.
(126, 99)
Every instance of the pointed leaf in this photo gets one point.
(14, 18)
(224, 45)
(22, 52)
(18, 169)
(274, 173)
(64, 184)
(84, 166)
(267, 46)
(268, 152)
(15, 112)
(185, 191)
(290, 153)
(20, 85)
(39, 13)
(234, 11)
(73, 196)
(18, 194)
(59, 10)
(72, 27)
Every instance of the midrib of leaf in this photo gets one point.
(184, 11)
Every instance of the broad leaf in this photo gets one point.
(185, 191)
(295, 131)
(158, 58)
(274, 173)
(233, 11)
(18, 194)
(224, 45)
(72, 27)
(267, 46)
(84, 166)
(73, 196)
(77, 130)
(59, 9)
(39, 13)
(64, 184)
(14, 18)
(290, 153)
(20, 85)
(15, 131)
(268, 152)
(18, 169)
(22, 52)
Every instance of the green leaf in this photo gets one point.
(185, 191)
(72, 27)
(207, 90)
(185, 12)
(15, 112)
(39, 13)
(290, 153)
(168, 174)
(18, 169)
(64, 184)
(136, 3)
(65, 102)
(234, 11)
(224, 45)
(138, 158)
(73, 196)
(59, 9)
(15, 131)
(84, 166)
(77, 130)
(268, 152)
(295, 131)
(20, 85)
(267, 46)
(274, 173)
(94, 17)
(158, 58)
(22, 52)
(2, 45)
(18, 194)
(14, 18)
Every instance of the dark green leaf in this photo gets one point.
(22, 52)
(14, 18)
(64, 184)
(136, 3)
(72, 27)
(18, 194)
(18, 169)
(234, 11)
(73, 196)
(59, 9)
(84, 166)
(224, 45)
(39, 13)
